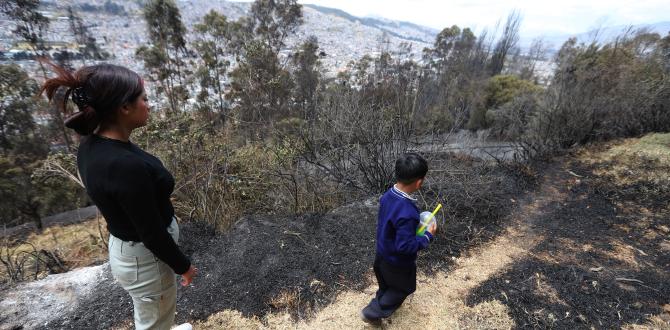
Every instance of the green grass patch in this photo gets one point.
(655, 146)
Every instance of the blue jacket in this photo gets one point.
(398, 220)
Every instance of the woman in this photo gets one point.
(130, 187)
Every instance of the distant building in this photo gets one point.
(23, 50)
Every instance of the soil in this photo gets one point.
(260, 258)
(597, 264)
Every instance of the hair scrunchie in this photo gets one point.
(80, 98)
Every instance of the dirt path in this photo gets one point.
(440, 301)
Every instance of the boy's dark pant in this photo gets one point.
(395, 284)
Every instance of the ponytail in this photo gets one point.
(84, 121)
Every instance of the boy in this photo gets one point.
(397, 242)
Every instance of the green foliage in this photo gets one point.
(453, 47)
(463, 64)
(617, 89)
(307, 78)
(270, 134)
(164, 57)
(436, 120)
(27, 198)
(458, 59)
(23, 149)
(478, 119)
(274, 20)
(216, 35)
(290, 128)
(260, 85)
(599, 92)
(18, 131)
(260, 88)
(58, 194)
(510, 121)
(19, 200)
(500, 90)
(20, 145)
(503, 88)
(31, 25)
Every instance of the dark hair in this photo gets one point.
(410, 167)
(97, 90)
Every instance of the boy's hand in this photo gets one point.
(433, 228)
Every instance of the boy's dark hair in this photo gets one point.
(410, 167)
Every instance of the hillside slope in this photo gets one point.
(588, 247)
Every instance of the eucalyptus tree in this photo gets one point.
(164, 56)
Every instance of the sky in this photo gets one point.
(539, 17)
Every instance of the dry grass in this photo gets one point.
(229, 320)
(655, 322)
(631, 159)
(78, 245)
(437, 304)
(287, 299)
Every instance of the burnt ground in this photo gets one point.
(255, 261)
(260, 258)
(604, 260)
(295, 264)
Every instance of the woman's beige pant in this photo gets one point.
(150, 282)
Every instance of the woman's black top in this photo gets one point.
(132, 189)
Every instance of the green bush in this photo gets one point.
(503, 88)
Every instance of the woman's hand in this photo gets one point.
(187, 277)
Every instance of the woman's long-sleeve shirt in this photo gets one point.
(132, 189)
